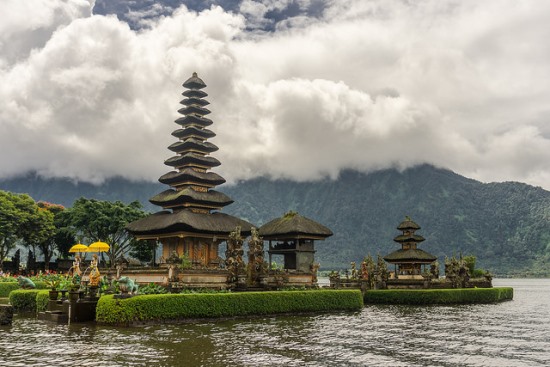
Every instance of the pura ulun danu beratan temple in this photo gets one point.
(191, 225)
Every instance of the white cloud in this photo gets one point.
(369, 85)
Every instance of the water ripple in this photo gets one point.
(515, 333)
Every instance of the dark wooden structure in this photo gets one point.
(409, 261)
(293, 236)
(191, 223)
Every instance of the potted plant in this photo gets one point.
(53, 284)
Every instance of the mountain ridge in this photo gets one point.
(506, 225)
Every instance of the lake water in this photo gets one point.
(514, 333)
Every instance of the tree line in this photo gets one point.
(51, 229)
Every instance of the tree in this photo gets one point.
(144, 250)
(106, 221)
(45, 229)
(18, 212)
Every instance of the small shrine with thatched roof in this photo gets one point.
(293, 236)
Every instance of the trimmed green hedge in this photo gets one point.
(208, 305)
(438, 296)
(42, 299)
(24, 300)
(7, 287)
(29, 300)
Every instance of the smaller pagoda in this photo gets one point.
(409, 262)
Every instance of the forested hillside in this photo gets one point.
(507, 225)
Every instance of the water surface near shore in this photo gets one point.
(514, 333)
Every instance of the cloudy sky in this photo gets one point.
(299, 89)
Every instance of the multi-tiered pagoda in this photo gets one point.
(409, 260)
(190, 223)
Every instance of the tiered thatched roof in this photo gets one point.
(409, 253)
(191, 199)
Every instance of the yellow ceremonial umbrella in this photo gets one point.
(98, 247)
(79, 248)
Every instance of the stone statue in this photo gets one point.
(95, 276)
(127, 285)
(76, 266)
(25, 283)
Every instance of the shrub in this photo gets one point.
(152, 288)
(206, 305)
(42, 299)
(7, 287)
(24, 300)
(438, 296)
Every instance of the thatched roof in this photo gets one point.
(166, 222)
(190, 176)
(194, 82)
(172, 197)
(193, 144)
(193, 120)
(193, 132)
(411, 255)
(404, 238)
(194, 100)
(192, 158)
(292, 225)
(195, 93)
(408, 224)
(193, 109)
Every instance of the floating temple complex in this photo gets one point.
(193, 230)
(191, 225)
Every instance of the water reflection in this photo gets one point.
(515, 333)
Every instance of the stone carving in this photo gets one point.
(25, 283)
(127, 286)
(174, 258)
(314, 269)
(76, 266)
(95, 276)
(434, 269)
(456, 271)
(256, 264)
(234, 255)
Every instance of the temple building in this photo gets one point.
(409, 261)
(293, 237)
(190, 223)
